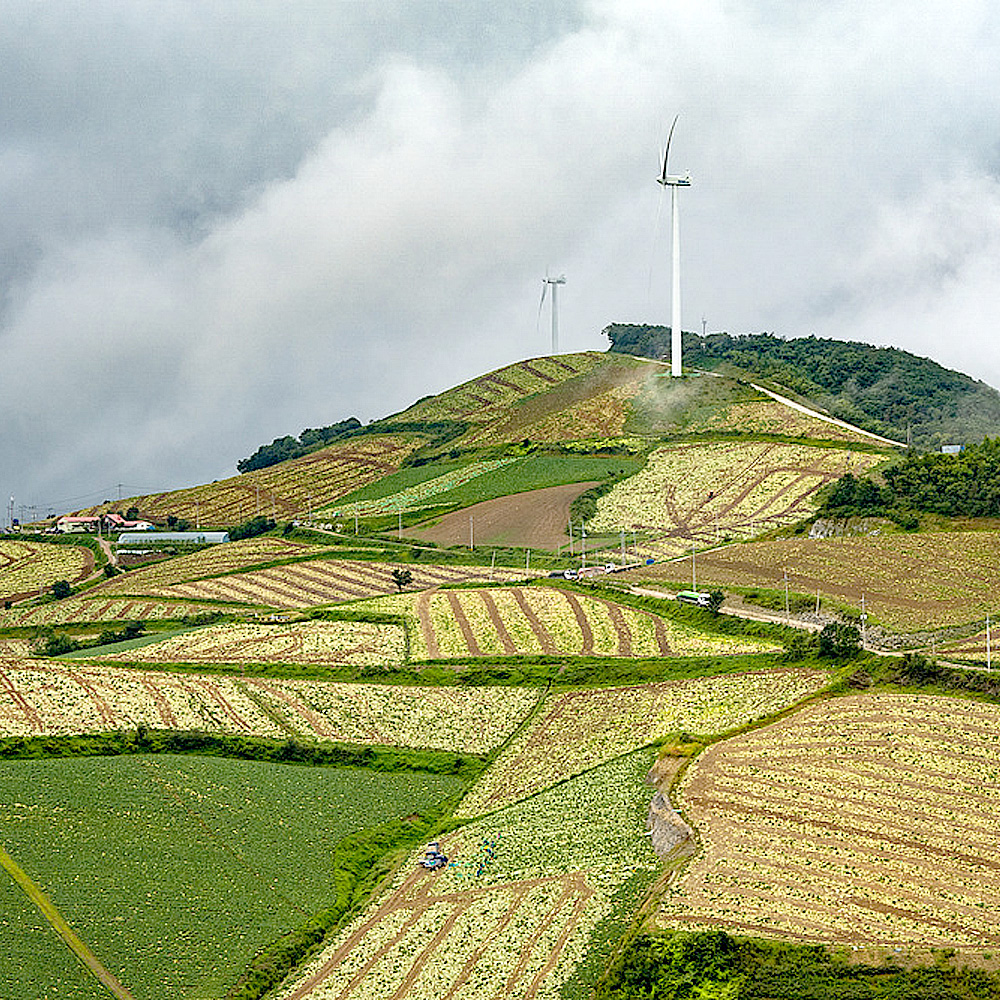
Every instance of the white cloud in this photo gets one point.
(306, 241)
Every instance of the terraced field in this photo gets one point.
(865, 820)
(512, 916)
(321, 581)
(981, 648)
(581, 729)
(55, 698)
(226, 558)
(421, 494)
(910, 581)
(26, 568)
(328, 643)
(706, 490)
(287, 490)
(488, 396)
(517, 621)
(79, 610)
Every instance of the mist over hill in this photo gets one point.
(882, 389)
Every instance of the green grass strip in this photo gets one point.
(63, 929)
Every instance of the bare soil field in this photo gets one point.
(535, 520)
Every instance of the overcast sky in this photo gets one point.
(222, 222)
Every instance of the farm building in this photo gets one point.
(93, 523)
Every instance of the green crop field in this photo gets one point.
(532, 472)
(176, 870)
(34, 963)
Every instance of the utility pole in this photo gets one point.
(694, 573)
(864, 621)
(472, 537)
(787, 613)
(989, 658)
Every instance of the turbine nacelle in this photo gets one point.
(684, 181)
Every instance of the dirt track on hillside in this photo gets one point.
(536, 519)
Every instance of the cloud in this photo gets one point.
(227, 228)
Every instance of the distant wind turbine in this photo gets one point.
(674, 182)
(555, 283)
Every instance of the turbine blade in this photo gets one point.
(666, 155)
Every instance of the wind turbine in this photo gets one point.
(555, 283)
(674, 182)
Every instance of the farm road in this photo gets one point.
(738, 610)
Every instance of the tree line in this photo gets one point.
(965, 484)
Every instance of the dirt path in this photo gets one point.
(535, 520)
(63, 929)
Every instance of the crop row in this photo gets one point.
(286, 490)
(417, 496)
(512, 915)
(349, 643)
(597, 417)
(78, 610)
(768, 416)
(515, 621)
(868, 819)
(322, 581)
(53, 699)
(724, 486)
(208, 562)
(28, 567)
(578, 730)
(952, 577)
(481, 398)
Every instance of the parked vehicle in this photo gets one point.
(695, 597)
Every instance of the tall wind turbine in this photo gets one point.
(674, 182)
(555, 283)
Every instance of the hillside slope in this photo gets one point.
(558, 410)
(882, 389)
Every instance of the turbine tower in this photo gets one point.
(555, 283)
(674, 182)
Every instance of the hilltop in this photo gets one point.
(548, 421)
(882, 389)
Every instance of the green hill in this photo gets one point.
(882, 389)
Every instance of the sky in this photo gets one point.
(225, 222)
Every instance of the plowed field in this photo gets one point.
(909, 581)
(516, 621)
(534, 520)
(320, 581)
(866, 820)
